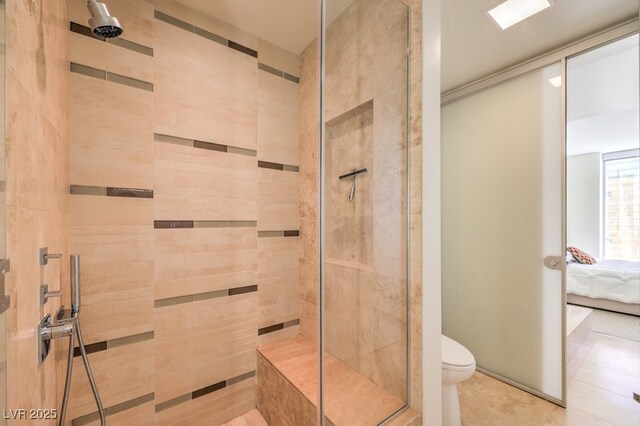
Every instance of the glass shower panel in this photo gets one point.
(501, 216)
(364, 216)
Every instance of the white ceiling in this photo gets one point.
(603, 99)
(473, 46)
(290, 24)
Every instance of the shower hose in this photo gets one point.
(67, 384)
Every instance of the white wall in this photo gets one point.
(584, 205)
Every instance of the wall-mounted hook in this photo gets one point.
(45, 256)
(45, 294)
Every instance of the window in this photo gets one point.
(621, 173)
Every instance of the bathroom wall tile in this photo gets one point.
(113, 235)
(203, 90)
(277, 119)
(280, 334)
(111, 134)
(38, 68)
(278, 197)
(197, 344)
(278, 280)
(36, 172)
(308, 320)
(214, 408)
(141, 415)
(278, 58)
(190, 261)
(110, 57)
(36, 202)
(207, 23)
(136, 17)
(309, 106)
(121, 374)
(195, 184)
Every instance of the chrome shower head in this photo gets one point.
(102, 23)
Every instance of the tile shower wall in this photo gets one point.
(184, 208)
(366, 121)
(36, 192)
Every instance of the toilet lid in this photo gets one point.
(453, 353)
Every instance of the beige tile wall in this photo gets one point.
(36, 192)
(194, 272)
(366, 251)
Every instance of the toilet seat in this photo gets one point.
(455, 356)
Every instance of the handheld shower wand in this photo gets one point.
(75, 321)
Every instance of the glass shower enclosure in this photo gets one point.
(364, 315)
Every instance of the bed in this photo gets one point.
(613, 285)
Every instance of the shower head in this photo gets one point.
(102, 23)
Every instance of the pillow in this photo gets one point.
(581, 256)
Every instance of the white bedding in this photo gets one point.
(617, 280)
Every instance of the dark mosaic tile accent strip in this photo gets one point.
(92, 348)
(277, 166)
(88, 71)
(278, 73)
(209, 389)
(118, 41)
(268, 165)
(278, 327)
(189, 298)
(272, 234)
(211, 146)
(188, 224)
(173, 224)
(110, 76)
(242, 290)
(204, 391)
(204, 33)
(292, 78)
(128, 81)
(129, 192)
(244, 49)
(114, 409)
(110, 191)
(211, 36)
(270, 70)
(114, 343)
(83, 30)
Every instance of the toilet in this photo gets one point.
(458, 364)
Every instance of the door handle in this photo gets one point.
(554, 262)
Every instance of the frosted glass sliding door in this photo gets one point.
(502, 215)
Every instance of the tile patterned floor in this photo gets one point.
(601, 382)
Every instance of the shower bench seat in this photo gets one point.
(287, 389)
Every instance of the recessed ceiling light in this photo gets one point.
(511, 12)
(556, 81)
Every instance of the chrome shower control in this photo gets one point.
(45, 294)
(45, 256)
(48, 330)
